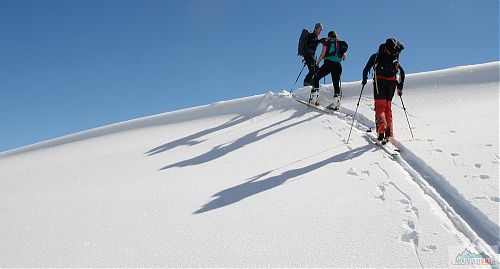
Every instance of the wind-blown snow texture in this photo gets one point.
(264, 181)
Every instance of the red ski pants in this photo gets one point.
(383, 104)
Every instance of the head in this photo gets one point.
(318, 28)
(332, 34)
(393, 46)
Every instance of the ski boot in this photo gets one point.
(380, 137)
(388, 133)
(381, 131)
(314, 97)
(335, 105)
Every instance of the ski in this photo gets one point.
(319, 108)
(385, 144)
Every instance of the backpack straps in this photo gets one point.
(331, 53)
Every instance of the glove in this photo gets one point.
(400, 86)
(363, 82)
(400, 92)
(322, 40)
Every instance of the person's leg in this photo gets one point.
(311, 66)
(380, 119)
(323, 71)
(380, 95)
(391, 88)
(336, 73)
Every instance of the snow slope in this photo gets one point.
(264, 181)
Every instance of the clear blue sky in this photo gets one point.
(72, 65)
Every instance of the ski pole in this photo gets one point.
(375, 73)
(353, 117)
(298, 77)
(404, 108)
(340, 88)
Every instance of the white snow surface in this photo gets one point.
(263, 181)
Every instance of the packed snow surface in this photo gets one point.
(265, 181)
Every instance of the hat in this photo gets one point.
(318, 25)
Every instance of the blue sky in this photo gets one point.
(72, 65)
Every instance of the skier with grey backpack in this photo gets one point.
(308, 43)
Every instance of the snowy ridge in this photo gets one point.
(469, 74)
(456, 75)
(264, 181)
(252, 105)
(460, 75)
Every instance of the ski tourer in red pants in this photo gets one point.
(385, 64)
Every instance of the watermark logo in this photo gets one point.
(469, 258)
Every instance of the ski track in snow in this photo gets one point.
(410, 232)
(473, 223)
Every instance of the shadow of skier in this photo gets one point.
(192, 139)
(243, 141)
(255, 186)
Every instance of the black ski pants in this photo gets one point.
(386, 89)
(311, 65)
(333, 68)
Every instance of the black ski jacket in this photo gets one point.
(312, 44)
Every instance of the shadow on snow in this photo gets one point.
(252, 137)
(191, 140)
(256, 185)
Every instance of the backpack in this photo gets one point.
(387, 60)
(302, 42)
(336, 52)
(342, 48)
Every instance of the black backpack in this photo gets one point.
(341, 48)
(302, 42)
(387, 59)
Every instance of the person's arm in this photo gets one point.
(401, 80)
(367, 68)
(323, 52)
(401, 75)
